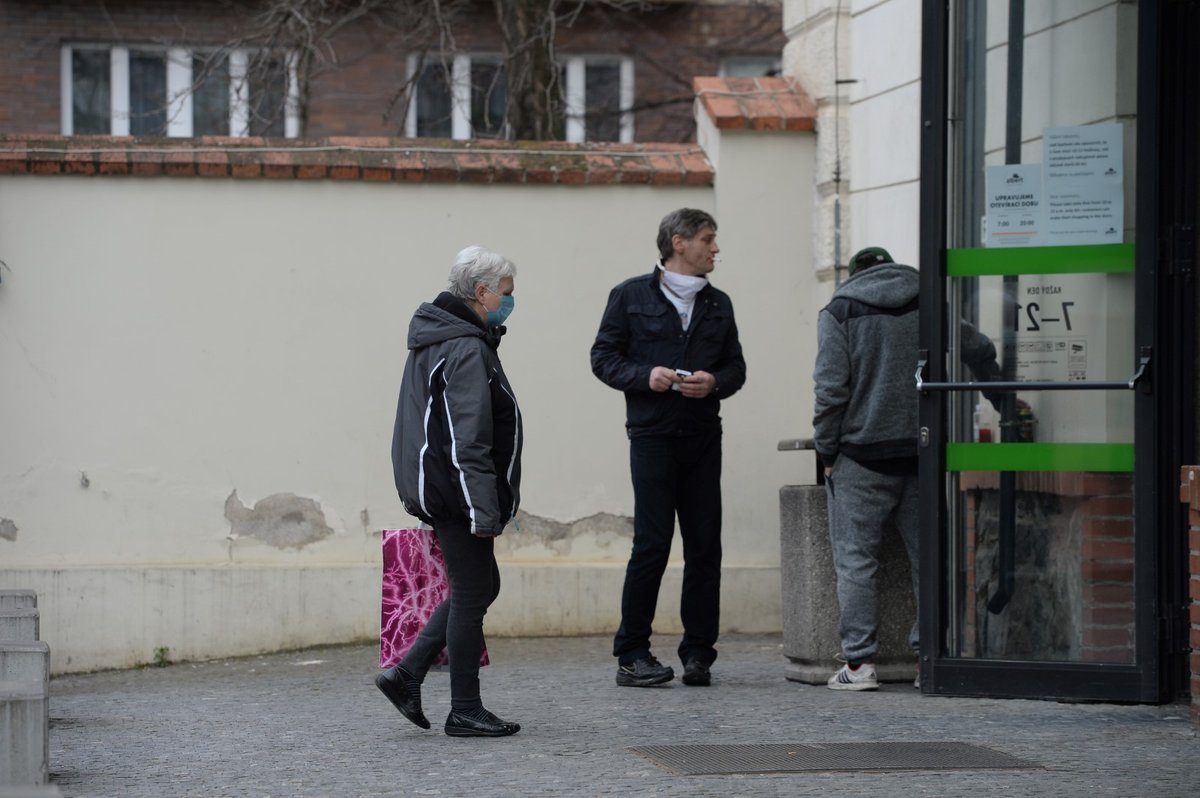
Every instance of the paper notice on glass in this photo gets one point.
(1084, 185)
(1084, 215)
(1014, 205)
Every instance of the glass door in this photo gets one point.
(1035, 372)
(1039, 454)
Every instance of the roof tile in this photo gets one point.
(764, 103)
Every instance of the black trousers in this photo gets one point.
(457, 624)
(678, 476)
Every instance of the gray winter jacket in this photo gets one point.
(456, 447)
(867, 340)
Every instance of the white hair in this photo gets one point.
(475, 265)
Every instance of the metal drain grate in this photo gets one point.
(724, 760)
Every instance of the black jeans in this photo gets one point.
(457, 623)
(674, 476)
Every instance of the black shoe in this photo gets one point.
(696, 673)
(478, 723)
(404, 692)
(645, 672)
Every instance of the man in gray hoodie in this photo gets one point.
(865, 428)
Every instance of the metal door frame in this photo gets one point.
(1143, 681)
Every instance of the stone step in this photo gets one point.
(18, 599)
(31, 791)
(24, 733)
(24, 662)
(20, 625)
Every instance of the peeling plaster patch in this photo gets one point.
(8, 530)
(559, 535)
(283, 520)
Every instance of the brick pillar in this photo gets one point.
(968, 647)
(1107, 533)
(1189, 494)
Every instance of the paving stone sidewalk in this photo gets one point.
(311, 723)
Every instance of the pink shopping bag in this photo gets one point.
(414, 584)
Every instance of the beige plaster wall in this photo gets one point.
(201, 379)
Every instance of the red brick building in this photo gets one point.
(202, 67)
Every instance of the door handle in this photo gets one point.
(1001, 386)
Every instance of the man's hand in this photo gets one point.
(662, 378)
(698, 386)
(828, 471)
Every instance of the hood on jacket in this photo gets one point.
(445, 318)
(888, 285)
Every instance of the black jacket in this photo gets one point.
(456, 448)
(640, 330)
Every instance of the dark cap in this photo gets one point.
(871, 256)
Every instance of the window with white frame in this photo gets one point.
(466, 97)
(599, 98)
(156, 91)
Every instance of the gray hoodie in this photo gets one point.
(865, 376)
(866, 398)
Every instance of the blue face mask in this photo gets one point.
(496, 317)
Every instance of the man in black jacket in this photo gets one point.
(669, 341)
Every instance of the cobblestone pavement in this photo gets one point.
(311, 723)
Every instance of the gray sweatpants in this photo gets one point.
(860, 501)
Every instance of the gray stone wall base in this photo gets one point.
(811, 641)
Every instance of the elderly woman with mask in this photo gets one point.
(456, 455)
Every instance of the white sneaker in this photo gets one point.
(862, 678)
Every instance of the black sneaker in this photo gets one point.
(696, 673)
(645, 672)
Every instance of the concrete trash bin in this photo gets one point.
(811, 641)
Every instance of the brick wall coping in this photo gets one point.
(359, 158)
(755, 103)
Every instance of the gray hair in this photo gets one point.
(686, 222)
(475, 265)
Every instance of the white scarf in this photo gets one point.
(681, 290)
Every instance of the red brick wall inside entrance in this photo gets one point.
(1189, 494)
